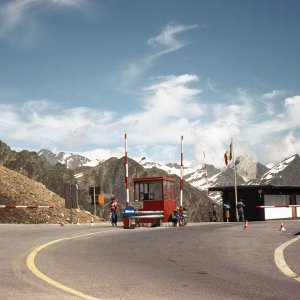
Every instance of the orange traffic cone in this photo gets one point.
(282, 228)
(246, 224)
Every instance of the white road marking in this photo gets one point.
(280, 261)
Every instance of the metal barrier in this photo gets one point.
(150, 214)
(159, 214)
(143, 215)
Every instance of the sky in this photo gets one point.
(76, 75)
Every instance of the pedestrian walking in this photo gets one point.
(240, 208)
(113, 211)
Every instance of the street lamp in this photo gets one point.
(143, 158)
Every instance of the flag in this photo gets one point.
(228, 154)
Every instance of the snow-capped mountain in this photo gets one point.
(72, 161)
(248, 171)
(203, 177)
(248, 168)
(284, 173)
(170, 168)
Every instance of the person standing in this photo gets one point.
(214, 213)
(240, 208)
(113, 210)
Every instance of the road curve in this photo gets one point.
(204, 261)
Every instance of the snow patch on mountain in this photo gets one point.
(278, 168)
(170, 168)
(72, 161)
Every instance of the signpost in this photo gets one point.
(94, 192)
(137, 204)
(128, 212)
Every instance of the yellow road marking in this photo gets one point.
(280, 261)
(32, 267)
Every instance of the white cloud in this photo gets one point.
(273, 94)
(172, 106)
(272, 99)
(51, 127)
(280, 147)
(163, 44)
(167, 39)
(13, 14)
(103, 153)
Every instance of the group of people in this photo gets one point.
(177, 217)
(240, 208)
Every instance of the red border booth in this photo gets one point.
(157, 194)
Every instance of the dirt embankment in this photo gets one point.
(16, 189)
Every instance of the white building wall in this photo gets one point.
(278, 212)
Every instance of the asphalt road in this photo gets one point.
(200, 261)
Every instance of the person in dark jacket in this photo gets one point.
(240, 208)
(214, 213)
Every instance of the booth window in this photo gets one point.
(169, 190)
(150, 190)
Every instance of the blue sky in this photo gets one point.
(78, 74)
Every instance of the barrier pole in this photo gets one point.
(126, 172)
(181, 171)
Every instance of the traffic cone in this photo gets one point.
(282, 228)
(62, 224)
(246, 224)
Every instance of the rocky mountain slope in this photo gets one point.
(248, 168)
(54, 177)
(17, 189)
(287, 172)
(72, 161)
(110, 176)
(200, 177)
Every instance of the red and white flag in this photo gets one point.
(228, 154)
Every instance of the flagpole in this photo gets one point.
(206, 175)
(235, 188)
(181, 171)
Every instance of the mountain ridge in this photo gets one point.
(110, 175)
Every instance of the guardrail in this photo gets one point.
(148, 214)
(144, 215)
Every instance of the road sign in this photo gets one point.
(101, 199)
(137, 204)
(128, 212)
